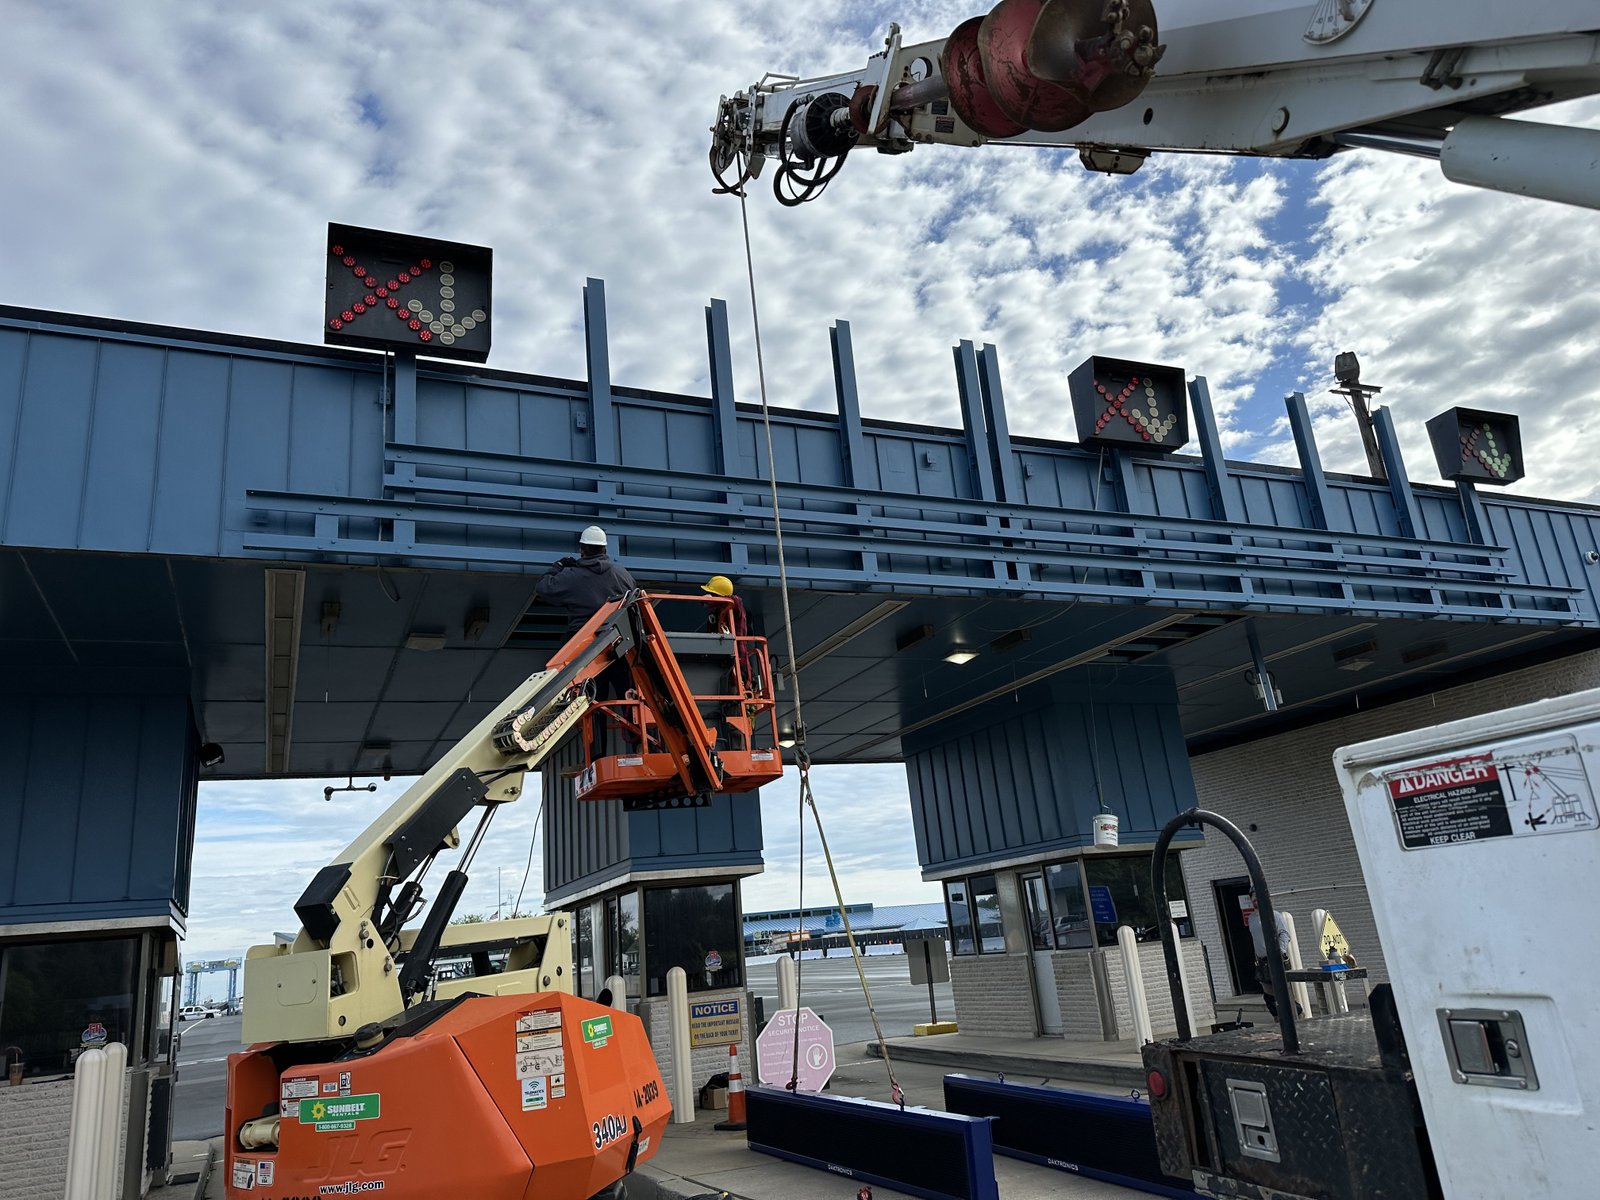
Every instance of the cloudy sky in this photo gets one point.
(178, 162)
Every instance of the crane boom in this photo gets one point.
(1247, 77)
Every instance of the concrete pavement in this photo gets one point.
(695, 1159)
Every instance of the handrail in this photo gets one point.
(1264, 913)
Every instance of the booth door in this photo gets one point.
(1042, 942)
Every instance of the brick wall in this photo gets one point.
(1282, 792)
(35, 1120)
(994, 994)
(704, 1061)
(33, 1139)
(1080, 1003)
(1157, 992)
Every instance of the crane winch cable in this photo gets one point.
(802, 753)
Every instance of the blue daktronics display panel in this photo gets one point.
(1107, 1137)
(942, 1156)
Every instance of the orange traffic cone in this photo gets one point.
(735, 1093)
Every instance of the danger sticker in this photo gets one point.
(534, 1021)
(1526, 789)
(244, 1175)
(299, 1087)
(538, 1041)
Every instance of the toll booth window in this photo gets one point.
(955, 898)
(698, 929)
(622, 936)
(974, 906)
(1120, 894)
(59, 995)
(1069, 910)
(583, 952)
(986, 913)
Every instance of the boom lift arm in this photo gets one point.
(1276, 78)
(352, 964)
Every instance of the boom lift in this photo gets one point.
(1277, 78)
(370, 1070)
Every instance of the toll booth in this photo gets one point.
(98, 826)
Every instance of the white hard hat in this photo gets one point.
(592, 536)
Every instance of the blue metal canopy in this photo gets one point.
(333, 551)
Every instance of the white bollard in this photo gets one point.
(108, 1137)
(681, 1086)
(788, 983)
(1135, 977)
(1299, 992)
(88, 1101)
(618, 987)
(1183, 983)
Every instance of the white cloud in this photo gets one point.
(177, 163)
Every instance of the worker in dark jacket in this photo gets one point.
(585, 584)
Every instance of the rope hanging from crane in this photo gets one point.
(802, 753)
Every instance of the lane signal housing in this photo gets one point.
(1134, 405)
(1476, 446)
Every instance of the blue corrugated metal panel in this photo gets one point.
(590, 845)
(99, 814)
(133, 440)
(988, 787)
(1549, 545)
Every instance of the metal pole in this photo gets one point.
(927, 959)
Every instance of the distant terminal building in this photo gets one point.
(823, 928)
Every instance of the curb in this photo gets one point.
(188, 1175)
(1054, 1069)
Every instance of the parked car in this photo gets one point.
(194, 1012)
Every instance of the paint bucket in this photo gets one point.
(1105, 829)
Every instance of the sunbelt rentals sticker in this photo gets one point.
(339, 1113)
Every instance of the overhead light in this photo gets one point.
(286, 593)
(1426, 650)
(1347, 368)
(330, 617)
(1355, 657)
(424, 640)
(1010, 641)
(211, 755)
(873, 616)
(787, 741)
(960, 656)
(477, 624)
(914, 637)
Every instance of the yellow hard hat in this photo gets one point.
(718, 585)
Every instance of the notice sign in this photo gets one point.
(713, 1022)
(1532, 788)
